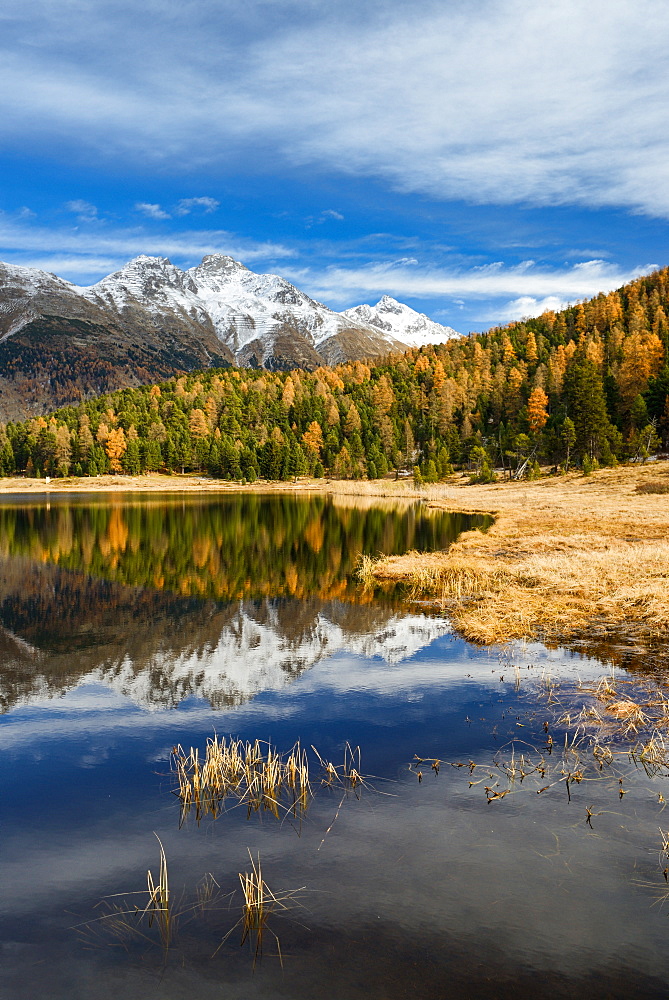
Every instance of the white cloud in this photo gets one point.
(188, 205)
(531, 289)
(526, 306)
(152, 211)
(482, 295)
(83, 210)
(327, 215)
(493, 292)
(82, 269)
(495, 102)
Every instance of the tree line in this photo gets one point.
(584, 386)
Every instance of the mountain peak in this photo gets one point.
(143, 277)
(388, 304)
(144, 262)
(144, 266)
(398, 320)
(220, 263)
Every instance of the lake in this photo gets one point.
(464, 850)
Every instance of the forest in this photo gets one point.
(583, 387)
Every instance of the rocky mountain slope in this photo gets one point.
(150, 319)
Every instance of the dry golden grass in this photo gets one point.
(565, 555)
(123, 922)
(158, 905)
(260, 903)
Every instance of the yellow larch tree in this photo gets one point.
(537, 409)
(116, 446)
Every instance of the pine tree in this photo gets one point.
(430, 471)
(152, 458)
(586, 405)
(568, 439)
(131, 459)
(7, 460)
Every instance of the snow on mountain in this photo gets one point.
(401, 322)
(151, 284)
(30, 280)
(23, 293)
(154, 281)
(244, 306)
(251, 657)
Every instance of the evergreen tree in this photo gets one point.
(586, 405)
(657, 394)
(131, 459)
(151, 455)
(7, 459)
(568, 439)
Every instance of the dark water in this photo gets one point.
(129, 627)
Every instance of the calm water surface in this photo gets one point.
(129, 627)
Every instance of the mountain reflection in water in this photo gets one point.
(216, 599)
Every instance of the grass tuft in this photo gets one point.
(259, 904)
(254, 774)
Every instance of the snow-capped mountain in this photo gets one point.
(245, 307)
(58, 345)
(151, 319)
(401, 322)
(252, 314)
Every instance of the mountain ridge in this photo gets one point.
(60, 342)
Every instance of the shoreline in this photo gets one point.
(567, 557)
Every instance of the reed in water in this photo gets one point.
(250, 773)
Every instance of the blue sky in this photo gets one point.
(479, 160)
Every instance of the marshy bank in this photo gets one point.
(567, 557)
